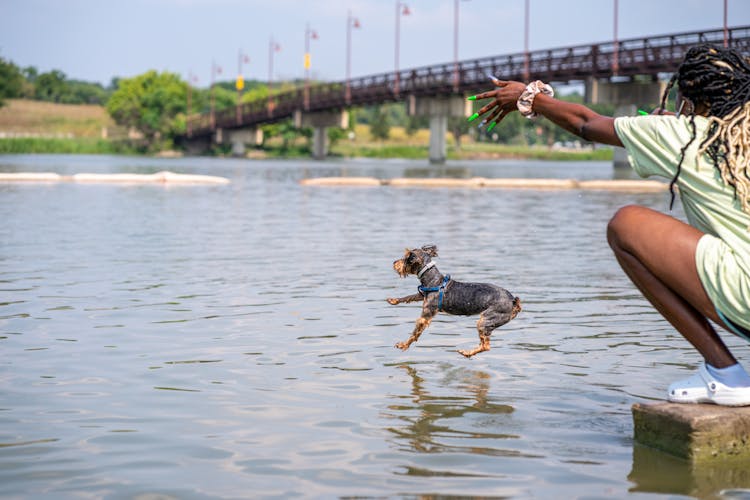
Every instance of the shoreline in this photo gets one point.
(474, 151)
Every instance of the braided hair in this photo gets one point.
(719, 79)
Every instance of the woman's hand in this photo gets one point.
(504, 99)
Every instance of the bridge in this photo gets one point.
(622, 73)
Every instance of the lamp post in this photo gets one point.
(726, 31)
(351, 22)
(616, 49)
(401, 9)
(273, 47)
(456, 78)
(526, 42)
(215, 70)
(191, 78)
(240, 82)
(309, 34)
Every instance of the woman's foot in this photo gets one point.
(705, 387)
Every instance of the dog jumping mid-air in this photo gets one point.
(495, 306)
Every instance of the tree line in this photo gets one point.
(156, 104)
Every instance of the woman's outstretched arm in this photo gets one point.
(575, 118)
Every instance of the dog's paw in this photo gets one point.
(466, 354)
(392, 302)
(403, 345)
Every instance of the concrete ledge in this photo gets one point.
(500, 183)
(474, 182)
(341, 181)
(530, 183)
(30, 177)
(699, 433)
(159, 177)
(624, 185)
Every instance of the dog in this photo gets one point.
(495, 306)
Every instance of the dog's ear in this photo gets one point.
(431, 250)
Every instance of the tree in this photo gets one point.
(458, 126)
(380, 127)
(152, 103)
(51, 86)
(11, 80)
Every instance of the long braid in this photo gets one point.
(719, 79)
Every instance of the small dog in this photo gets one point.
(495, 306)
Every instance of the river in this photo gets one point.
(234, 341)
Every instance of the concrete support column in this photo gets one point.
(320, 143)
(438, 109)
(320, 121)
(438, 129)
(239, 138)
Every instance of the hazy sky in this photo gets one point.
(96, 40)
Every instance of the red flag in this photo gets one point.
(276, 47)
(355, 23)
(314, 34)
(406, 10)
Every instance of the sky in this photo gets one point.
(96, 40)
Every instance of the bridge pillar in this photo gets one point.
(626, 96)
(320, 121)
(238, 138)
(438, 110)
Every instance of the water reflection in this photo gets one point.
(431, 423)
(657, 472)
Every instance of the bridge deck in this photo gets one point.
(629, 58)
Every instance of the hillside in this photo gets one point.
(21, 117)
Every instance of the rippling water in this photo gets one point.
(234, 341)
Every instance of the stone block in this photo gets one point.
(695, 432)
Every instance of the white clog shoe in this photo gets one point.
(703, 388)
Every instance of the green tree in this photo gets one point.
(51, 86)
(458, 126)
(414, 123)
(380, 126)
(11, 80)
(152, 103)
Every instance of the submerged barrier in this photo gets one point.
(159, 177)
(483, 182)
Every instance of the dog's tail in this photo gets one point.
(516, 307)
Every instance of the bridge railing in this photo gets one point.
(637, 56)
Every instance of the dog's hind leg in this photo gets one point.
(488, 321)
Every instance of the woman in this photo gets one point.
(690, 273)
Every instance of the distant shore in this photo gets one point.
(34, 127)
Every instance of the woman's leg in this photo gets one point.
(657, 252)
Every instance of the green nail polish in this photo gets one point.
(492, 125)
(472, 98)
(473, 117)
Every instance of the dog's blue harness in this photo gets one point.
(426, 289)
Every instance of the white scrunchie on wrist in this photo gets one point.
(526, 99)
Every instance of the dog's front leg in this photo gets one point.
(429, 311)
(406, 300)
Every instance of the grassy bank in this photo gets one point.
(48, 119)
(47, 145)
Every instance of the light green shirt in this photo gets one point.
(653, 144)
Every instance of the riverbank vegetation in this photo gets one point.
(49, 113)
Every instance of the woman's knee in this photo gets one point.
(621, 223)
